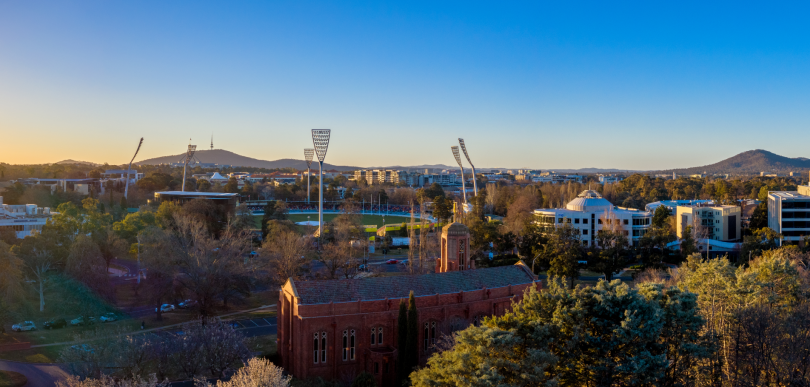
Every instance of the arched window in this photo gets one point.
(348, 345)
(429, 335)
(377, 336)
(319, 345)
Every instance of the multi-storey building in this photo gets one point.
(789, 213)
(721, 223)
(589, 213)
(378, 176)
(23, 218)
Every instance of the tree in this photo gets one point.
(661, 216)
(232, 186)
(605, 335)
(612, 254)
(203, 185)
(688, 246)
(213, 269)
(256, 373)
(759, 219)
(38, 263)
(761, 240)
(562, 253)
(86, 264)
(365, 379)
(241, 219)
(339, 259)
(412, 340)
(285, 256)
(402, 344)
(442, 208)
(107, 381)
(110, 246)
(653, 245)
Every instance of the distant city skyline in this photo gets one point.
(556, 86)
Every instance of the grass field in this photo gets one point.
(367, 219)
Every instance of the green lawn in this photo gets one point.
(367, 219)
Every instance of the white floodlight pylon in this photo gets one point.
(320, 138)
(189, 154)
(129, 168)
(467, 155)
(458, 160)
(308, 153)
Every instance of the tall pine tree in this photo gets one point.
(412, 342)
(402, 343)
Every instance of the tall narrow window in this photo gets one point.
(373, 336)
(315, 348)
(348, 345)
(379, 336)
(433, 333)
(323, 347)
(351, 345)
(427, 337)
(345, 345)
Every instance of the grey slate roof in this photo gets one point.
(379, 288)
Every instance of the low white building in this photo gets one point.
(23, 218)
(590, 212)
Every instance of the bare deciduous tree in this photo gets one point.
(284, 255)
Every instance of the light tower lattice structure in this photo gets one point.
(129, 168)
(458, 160)
(320, 139)
(467, 155)
(187, 158)
(308, 153)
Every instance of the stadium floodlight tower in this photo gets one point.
(189, 156)
(308, 153)
(320, 138)
(458, 160)
(467, 155)
(129, 168)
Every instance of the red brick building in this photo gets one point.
(340, 328)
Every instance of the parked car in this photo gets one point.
(24, 326)
(187, 304)
(80, 321)
(403, 262)
(109, 317)
(391, 262)
(362, 268)
(55, 323)
(165, 308)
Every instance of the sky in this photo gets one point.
(628, 85)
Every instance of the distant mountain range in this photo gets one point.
(746, 163)
(224, 157)
(751, 162)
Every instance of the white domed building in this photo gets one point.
(590, 212)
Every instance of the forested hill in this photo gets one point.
(751, 162)
(224, 157)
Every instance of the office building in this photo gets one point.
(23, 218)
(589, 213)
(789, 213)
(721, 223)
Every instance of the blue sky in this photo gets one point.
(643, 85)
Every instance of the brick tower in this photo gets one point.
(455, 249)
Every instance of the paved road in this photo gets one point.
(39, 375)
